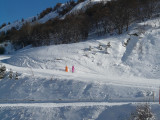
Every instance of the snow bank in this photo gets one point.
(113, 112)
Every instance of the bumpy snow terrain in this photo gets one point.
(107, 83)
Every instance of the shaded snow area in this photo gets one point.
(8, 47)
(108, 82)
(60, 90)
(70, 112)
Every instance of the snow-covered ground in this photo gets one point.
(104, 85)
(72, 111)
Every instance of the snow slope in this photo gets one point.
(120, 74)
(49, 112)
(16, 24)
(78, 111)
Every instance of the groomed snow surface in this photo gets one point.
(106, 84)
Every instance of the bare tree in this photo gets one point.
(2, 71)
(143, 112)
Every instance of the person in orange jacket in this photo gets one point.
(66, 69)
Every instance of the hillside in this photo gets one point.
(113, 47)
(106, 83)
(51, 15)
(74, 22)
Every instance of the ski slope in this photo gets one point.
(104, 82)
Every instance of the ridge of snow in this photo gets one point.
(83, 6)
(16, 24)
(48, 17)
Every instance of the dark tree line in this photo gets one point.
(102, 18)
(118, 15)
(72, 29)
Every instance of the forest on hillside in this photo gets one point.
(102, 18)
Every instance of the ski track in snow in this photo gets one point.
(81, 104)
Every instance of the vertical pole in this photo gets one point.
(153, 96)
(159, 95)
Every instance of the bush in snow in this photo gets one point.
(10, 74)
(2, 50)
(57, 7)
(2, 71)
(126, 42)
(79, 1)
(16, 76)
(90, 48)
(44, 12)
(100, 46)
(3, 25)
(108, 44)
(143, 112)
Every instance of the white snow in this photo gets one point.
(48, 17)
(60, 111)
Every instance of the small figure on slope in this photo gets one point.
(66, 69)
(73, 69)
